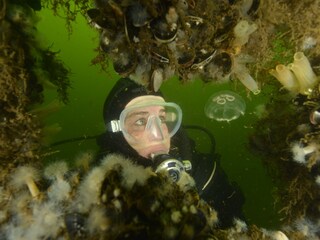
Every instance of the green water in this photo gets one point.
(90, 86)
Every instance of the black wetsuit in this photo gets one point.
(214, 187)
(211, 181)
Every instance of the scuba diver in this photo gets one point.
(142, 126)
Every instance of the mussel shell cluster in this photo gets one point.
(152, 40)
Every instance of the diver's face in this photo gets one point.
(147, 130)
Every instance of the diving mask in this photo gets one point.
(148, 118)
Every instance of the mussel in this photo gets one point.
(95, 18)
(137, 15)
(111, 42)
(224, 61)
(254, 7)
(125, 62)
(159, 57)
(105, 41)
(163, 31)
(132, 32)
(203, 57)
(99, 20)
(315, 116)
(186, 58)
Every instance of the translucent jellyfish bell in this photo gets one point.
(225, 106)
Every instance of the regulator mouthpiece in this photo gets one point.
(171, 166)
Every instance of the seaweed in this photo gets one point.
(23, 62)
(283, 50)
(58, 73)
(69, 10)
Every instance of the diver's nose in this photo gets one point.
(154, 129)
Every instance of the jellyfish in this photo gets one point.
(225, 106)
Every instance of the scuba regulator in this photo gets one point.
(173, 167)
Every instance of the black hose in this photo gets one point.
(210, 135)
(76, 139)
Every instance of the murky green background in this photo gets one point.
(90, 86)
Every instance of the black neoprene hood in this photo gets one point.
(120, 95)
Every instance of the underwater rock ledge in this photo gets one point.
(115, 200)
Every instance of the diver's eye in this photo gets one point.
(162, 119)
(141, 122)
